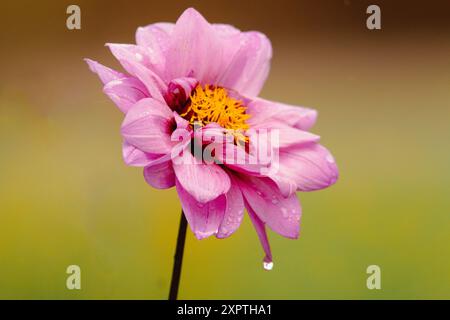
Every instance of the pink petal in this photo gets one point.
(136, 61)
(236, 158)
(220, 147)
(226, 31)
(262, 111)
(234, 212)
(125, 92)
(249, 68)
(203, 218)
(281, 214)
(290, 136)
(274, 134)
(310, 167)
(155, 38)
(148, 126)
(195, 50)
(210, 133)
(105, 74)
(160, 175)
(231, 39)
(205, 182)
(179, 91)
(134, 157)
(181, 122)
(261, 231)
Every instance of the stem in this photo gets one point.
(178, 258)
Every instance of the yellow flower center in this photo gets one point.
(213, 104)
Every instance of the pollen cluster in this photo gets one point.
(213, 104)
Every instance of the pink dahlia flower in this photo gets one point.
(193, 86)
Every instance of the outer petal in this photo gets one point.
(310, 167)
(105, 74)
(230, 38)
(136, 61)
(234, 212)
(203, 218)
(263, 110)
(134, 157)
(273, 134)
(205, 182)
(125, 92)
(281, 214)
(195, 50)
(160, 175)
(155, 38)
(249, 68)
(148, 126)
(226, 31)
(261, 231)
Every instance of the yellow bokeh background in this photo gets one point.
(383, 99)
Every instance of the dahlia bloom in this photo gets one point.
(194, 86)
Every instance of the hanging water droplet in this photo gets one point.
(268, 265)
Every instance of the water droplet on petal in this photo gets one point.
(139, 56)
(268, 265)
(275, 201)
(330, 158)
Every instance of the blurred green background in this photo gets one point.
(384, 111)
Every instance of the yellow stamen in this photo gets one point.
(213, 104)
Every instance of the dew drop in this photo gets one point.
(139, 56)
(330, 158)
(275, 200)
(268, 265)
